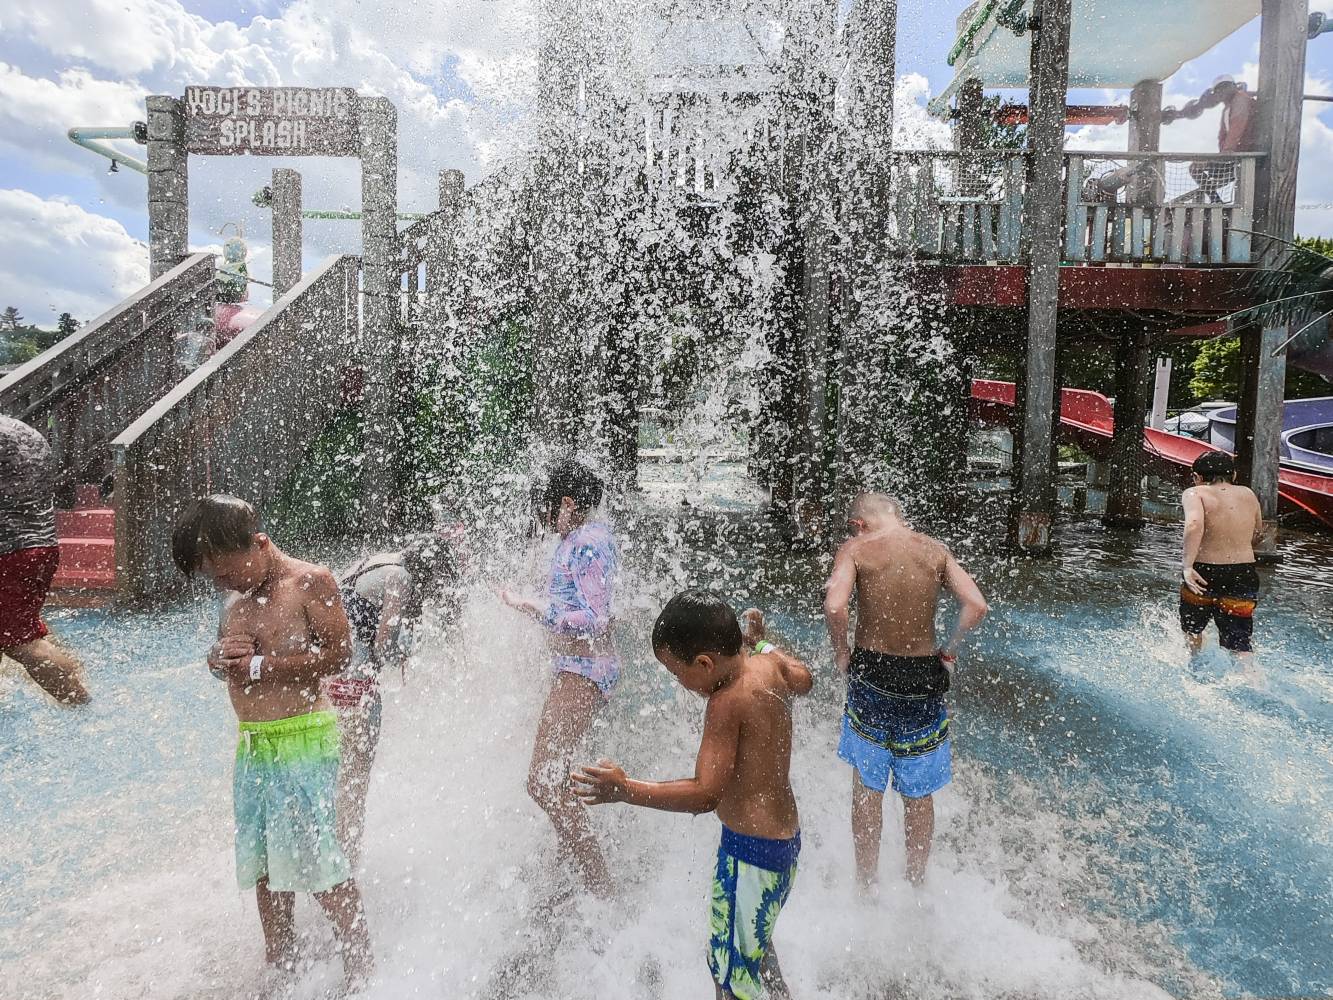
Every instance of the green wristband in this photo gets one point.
(763, 646)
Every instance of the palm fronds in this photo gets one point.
(1301, 285)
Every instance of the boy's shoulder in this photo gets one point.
(761, 674)
(312, 577)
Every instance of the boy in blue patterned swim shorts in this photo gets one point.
(896, 724)
(741, 772)
(283, 630)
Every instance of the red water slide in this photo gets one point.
(1087, 420)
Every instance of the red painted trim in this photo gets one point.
(1214, 291)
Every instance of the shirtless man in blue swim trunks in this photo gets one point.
(896, 723)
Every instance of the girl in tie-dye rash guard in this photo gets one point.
(581, 583)
(575, 611)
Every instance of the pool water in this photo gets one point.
(1122, 823)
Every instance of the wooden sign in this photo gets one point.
(272, 121)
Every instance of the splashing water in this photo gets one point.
(1117, 827)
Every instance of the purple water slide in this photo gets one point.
(1307, 431)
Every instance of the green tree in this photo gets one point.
(66, 325)
(10, 319)
(1216, 369)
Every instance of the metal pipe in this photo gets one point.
(86, 137)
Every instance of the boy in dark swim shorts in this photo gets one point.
(896, 724)
(742, 772)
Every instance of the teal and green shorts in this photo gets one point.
(753, 880)
(285, 796)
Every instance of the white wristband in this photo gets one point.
(256, 665)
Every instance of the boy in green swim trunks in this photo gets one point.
(282, 630)
(741, 772)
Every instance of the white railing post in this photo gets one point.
(1242, 215)
(1076, 215)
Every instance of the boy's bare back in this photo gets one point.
(899, 573)
(298, 610)
(756, 706)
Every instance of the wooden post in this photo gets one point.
(969, 117)
(168, 186)
(862, 177)
(557, 404)
(1044, 222)
(286, 208)
(1145, 136)
(1282, 41)
(380, 286)
(452, 183)
(1124, 498)
(873, 32)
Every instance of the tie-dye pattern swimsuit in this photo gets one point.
(580, 591)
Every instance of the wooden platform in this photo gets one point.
(1190, 291)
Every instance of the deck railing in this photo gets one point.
(87, 388)
(239, 424)
(1159, 207)
(1129, 208)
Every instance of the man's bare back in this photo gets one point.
(1232, 522)
(759, 800)
(897, 575)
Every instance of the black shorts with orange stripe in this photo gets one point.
(1233, 592)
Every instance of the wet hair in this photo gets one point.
(1214, 467)
(429, 561)
(695, 622)
(213, 525)
(877, 505)
(570, 479)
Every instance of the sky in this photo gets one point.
(461, 74)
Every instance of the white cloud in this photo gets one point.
(36, 111)
(460, 72)
(60, 258)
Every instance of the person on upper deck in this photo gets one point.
(1223, 523)
(896, 723)
(1236, 132)
(29, 555)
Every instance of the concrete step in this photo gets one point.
(84, 579)
(86, 522)
(81, 555)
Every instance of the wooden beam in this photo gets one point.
(381, 282)
(872, 32)
(1145, 136)
(168, 186)
(1124, 498)
(1282, 41)
(286, 213)
(1033, 509)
